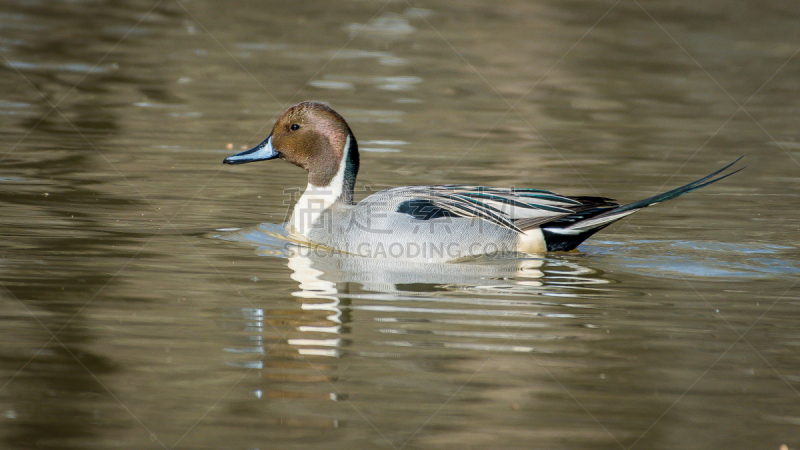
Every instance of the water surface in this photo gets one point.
(150, 300)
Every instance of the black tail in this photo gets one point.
(565, 235)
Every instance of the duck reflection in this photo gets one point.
(319, 271)
(321, 295)
(480, 300)
(375, 319)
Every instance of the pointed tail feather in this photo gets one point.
(606, 218)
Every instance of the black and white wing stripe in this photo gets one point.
(516, 209)
(565, 221)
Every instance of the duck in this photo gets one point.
(431, 223)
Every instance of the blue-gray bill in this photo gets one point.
(261, 152)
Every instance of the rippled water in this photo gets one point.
(150, 298)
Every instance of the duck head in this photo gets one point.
(313, 136)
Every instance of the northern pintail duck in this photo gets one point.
(432, 223)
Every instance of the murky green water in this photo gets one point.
(149, 301)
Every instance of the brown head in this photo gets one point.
(315, 137)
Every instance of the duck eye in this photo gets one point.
(295, 127)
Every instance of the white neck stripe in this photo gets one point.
(316, 199)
